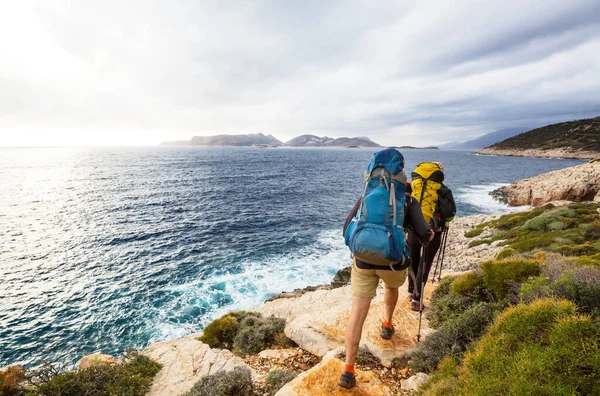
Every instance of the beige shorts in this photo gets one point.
(365, 281)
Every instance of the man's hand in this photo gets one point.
(431, 235)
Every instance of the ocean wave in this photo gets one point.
(478, 199)
(198, 303)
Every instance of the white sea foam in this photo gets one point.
(479, 196)
(311, 265)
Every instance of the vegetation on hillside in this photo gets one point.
(132, 376)
(580, 135)
(527, 322)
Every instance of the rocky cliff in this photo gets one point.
(574, 139)
(578, 183)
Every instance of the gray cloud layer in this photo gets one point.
(399, 72)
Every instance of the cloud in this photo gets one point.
(417, 72)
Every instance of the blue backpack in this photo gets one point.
(376, 234)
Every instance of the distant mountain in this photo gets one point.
(316, 141)
(573, 139)
(416, 148)
(227, 140)
(486, 140)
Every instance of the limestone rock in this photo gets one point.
(577, 183)
(185, 361)
(597, 197)
(317, 322)
(96, 359)
(341, 278)
(414, 382)
(323, 380)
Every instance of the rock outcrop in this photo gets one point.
(317, 322)
(323, 380)
(577, 183)
(566, 153)
(186, 360)
(414, 383)
(96, 359)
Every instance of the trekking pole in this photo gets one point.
(437, 263)
(422, 269)
(443, 251)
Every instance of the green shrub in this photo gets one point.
(468, 284)
(535, 288)
(474, 232)
(132, 377)
(506, 253)
(501, 276)
(245, 333)
(237, 382)
(538, 349)
(278, 378)
(452, 338)
(257, 333)
(10, 381)
(478, 242)
(220, 333)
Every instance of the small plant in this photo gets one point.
(453, 337)
(220, 333)
(257, 333)
(474, 232)
(237, 382)
(278, 378)
(506, 253)
(501, 276)
(132, 377)
(364, 357)
(10, 381)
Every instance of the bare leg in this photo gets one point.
(360, 309)
(391, 298)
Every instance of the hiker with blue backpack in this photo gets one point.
(375, 233)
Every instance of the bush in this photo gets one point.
(474, 232)
(506, 253)
(455, 295)
(237, 382)
(220, 333)
(132, 377)
(364, 357)
(567, 280)
(544, 348)
(10, 381)
(278, 378)
(452, 338)
(245, 333)
(257, 333)
(501, 276)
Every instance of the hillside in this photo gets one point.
(487, 139)
(574, 139)
(316, 141)
(227, 140)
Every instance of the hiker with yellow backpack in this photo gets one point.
(439, 208)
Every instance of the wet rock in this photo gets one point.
(96, 359)
(186, 360)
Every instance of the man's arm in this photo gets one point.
(353, 213)
(416, 222)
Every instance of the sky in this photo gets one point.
(137, 72)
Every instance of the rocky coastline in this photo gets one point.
(577, 183)
(565, 153)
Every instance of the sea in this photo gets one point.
(108, 248)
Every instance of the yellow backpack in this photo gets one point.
(427, 179)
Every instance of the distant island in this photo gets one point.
(486, 140)
(259, 140)
(416, 148)
(573, 139)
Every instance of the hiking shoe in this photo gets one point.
(415, 305)
(347, 380)
(386, 332)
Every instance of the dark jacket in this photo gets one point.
(413, 219)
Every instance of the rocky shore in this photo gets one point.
(566, 153)
(577, 183)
